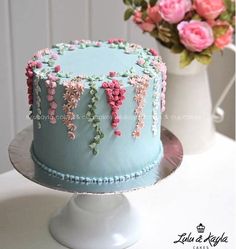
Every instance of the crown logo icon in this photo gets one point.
(200, 228)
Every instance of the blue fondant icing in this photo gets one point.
(98, 180)
(119, 158)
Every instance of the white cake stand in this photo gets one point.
(92, 220)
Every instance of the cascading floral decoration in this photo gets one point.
(193, 28)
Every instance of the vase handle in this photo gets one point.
(218, 112)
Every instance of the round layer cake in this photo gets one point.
(96, 109)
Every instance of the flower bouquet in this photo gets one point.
(195, 29)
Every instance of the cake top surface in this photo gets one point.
(96, 60)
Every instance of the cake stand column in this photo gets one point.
(96, 221)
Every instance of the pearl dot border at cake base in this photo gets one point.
(97, 180)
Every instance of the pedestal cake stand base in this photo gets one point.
(93, 220)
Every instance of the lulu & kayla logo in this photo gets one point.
(201, 240)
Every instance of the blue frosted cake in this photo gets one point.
(96, 109)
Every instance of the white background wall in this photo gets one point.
(29, 25)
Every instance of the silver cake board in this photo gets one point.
(95, 219)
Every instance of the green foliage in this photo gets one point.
(144, 15)
(230, 5)
(138, 3)
(167, 33)
(152, 2)
(203, 58)
(196, 17)
(229, 13)
(144, 5)
(177, 48)
(128, 13)
(207, 51)
(219, 30)
(186, 57)
(128, 2)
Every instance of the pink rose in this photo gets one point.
(195, 35)
(209, 9)
(226, 38)
(173, 11)
(154, 14)
(147, 25)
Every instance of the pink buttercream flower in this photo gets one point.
(227, 37)
(71, 135)
(71, 127)
(53, 105)
(51, 91)
(98, 44)
(52, 77)
(52, 120)
(54, 56)
(141, 62)
(38, 55)
(115, 97)
(136, 133)
(173, 11)
(209, 9)
(116, 40)
(154, 14)
(117, 133)
(39, 64)
(72, 47)
(50, 98)
(146, 25)
(57, 68)
(66, 108)
(112, 74)
(153, 51)
(51, 112)
(195, 35)
(105, 85)
(116, 92)
(52, 84)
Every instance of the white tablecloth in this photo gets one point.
(200, 191)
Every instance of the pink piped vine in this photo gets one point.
(115, 97)
(161, 67)
(73, 92)
(30, 77)
(140, 84)
(51, 84)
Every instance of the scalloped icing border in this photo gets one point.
(97, 180)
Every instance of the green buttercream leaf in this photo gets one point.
(90, 120)
(51, 63)
(96, 120)
(95, 151)
(88, 114)
(92, 145)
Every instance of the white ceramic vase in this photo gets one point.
(189, 113)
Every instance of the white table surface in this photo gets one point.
(201, 190)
